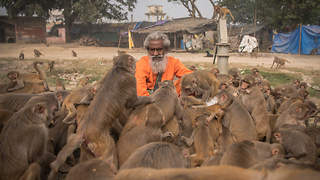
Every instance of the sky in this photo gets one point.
(173, 10)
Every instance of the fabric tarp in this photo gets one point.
(289, 42)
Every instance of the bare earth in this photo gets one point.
(63, 51)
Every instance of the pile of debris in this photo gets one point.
(90, 41)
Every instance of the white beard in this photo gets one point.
(159, 66)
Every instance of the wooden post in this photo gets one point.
(119, 38)
(255, 22)
(300, 38)
(230, 29)
(175, 40)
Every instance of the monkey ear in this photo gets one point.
(59, 96)
(298, 108)
(275, 151)
(39, 108)
(130, 62)
(114, 59)
(93, 90)
(163, 121)
(224, 97)
(277, 135)
(193, 80)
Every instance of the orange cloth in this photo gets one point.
(146, 79)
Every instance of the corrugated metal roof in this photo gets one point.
(190, 25)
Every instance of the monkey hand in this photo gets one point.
(72, 122)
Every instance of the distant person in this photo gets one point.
(158, 66)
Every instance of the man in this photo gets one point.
(158, 66)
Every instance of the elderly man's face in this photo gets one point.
(156, 50)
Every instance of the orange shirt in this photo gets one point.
(146, 79)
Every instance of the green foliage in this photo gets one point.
(242, 10)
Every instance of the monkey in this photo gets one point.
(253, 100)
(20, 79)
(212, 161)
(286, 104)
(74, 54)
(30, 122)
(158, 155)
(296, 83)
(202, 141)
(202, 83)
(222, 12)
(108, 104)
(21, 55)
(264, 87)
(16, 101)
(215, 71)
(303, 85)
(84, 81)
(59, 85)
(314, 51)
(235, 76)
(37, 53)
(193, 68)
(208, 54)
(149, 131)
(297, 144)
(226, 84)
(173, 126)
(237, 118)
(82, 95)
(283, 91)
(297, 113)
(50, 65)
(270, 104)
(166, 100)
(280, 62)
(255, 72)
(267, 150)
(242, 154)
(121, 52)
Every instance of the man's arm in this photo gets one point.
(141, 77)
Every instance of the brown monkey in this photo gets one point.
(193, 68)
(166, 99)
(215, 71)
(267, 150)
(31, 123)
(74, 54)
(222, 12)
(286, 104)
(173, 126)
(297, 144)
(226, 84)
(280, 62)
(202, 141)
(158, 155)
(144, 133)
(242, 154)
(16, 101)
(82, 95)
(282, 91)
(303, 85)
(21, 55)
(235, 76)
(254, 55)
(121, 52)
(237, 119)
(60, 85)
(297, 113)
(296, 83)
(314, 51)
(255, 72)
(84, 81)
(264, 86)
(50, 65)
(37, 53)
(254, 102)
(212, 161)
(110, 101)
(20, 79)
(202, 83)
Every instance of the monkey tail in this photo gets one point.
(42, 74)
(231, 15)
(287, 61)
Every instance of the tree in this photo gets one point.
(190, 6)
(86, 11)
(242, 10)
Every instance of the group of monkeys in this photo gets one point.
(254, 131)
(37, 53)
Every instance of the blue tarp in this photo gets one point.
(289, 42)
